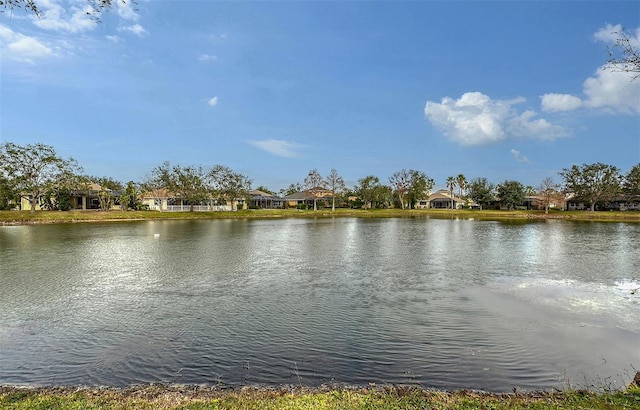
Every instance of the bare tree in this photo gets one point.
(400, 185)
(335, 183)
(624, 55)
(313, 183)
(549, 191)
(31, 6)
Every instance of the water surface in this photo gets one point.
(441, 303)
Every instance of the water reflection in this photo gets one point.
(443, 303)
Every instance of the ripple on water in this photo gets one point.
(347, 301)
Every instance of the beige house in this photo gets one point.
(164, 201)
(81, 199)
(441, 199)
(321, 195)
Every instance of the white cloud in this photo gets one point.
(279, 148)
(610, 34)
(476, 119)
(607, 34)
(526, 125)
(125, 10)
(114, 39)
(612, 89)
(519, 157)
(213, 101)
(72, 18)
(136, 29)
(608, 88)
(560, 102)
(207, 57)
(23, 48)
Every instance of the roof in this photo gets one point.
(302, 195)
(443, 194)
(257, 194)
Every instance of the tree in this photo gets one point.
(107, 186)
(481, 191)
(291, 189)
(420, 186)
(187, 183)
(335, 184)
(106, 199)
(462, 183)
(511, 194)
(366, 189)
(400, 183)
(624, 55)
(34, 168)
(592, 183)
(31, 6)
(229, 185)
(8, 195)
(631, 185)
(107, 183)
(529, 190)
(549, 192)
(314, 184)
(129, 198)
(451, 184)
(265, 190)
(57, 196)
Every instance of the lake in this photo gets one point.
(448, 304)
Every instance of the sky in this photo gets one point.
(273, 89)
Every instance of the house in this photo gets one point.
(263, 200)
(441, 199)
(79, 199)
(621, 202)
(536, 202)
(322, 196)
(89, 198)
(166, 201)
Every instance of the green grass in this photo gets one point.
(197, 397)
(26, 217)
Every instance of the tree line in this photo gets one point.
(38, 173)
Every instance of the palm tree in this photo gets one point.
(462, 184)
(451, 184)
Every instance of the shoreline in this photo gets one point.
(16, 218)
(173, 396)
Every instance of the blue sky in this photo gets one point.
(502, 90)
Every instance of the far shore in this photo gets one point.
(53, 217)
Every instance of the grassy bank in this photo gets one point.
(26, 217)
(199, 397)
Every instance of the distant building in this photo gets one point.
(264, 200)
(441, 199)
(321, 195)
